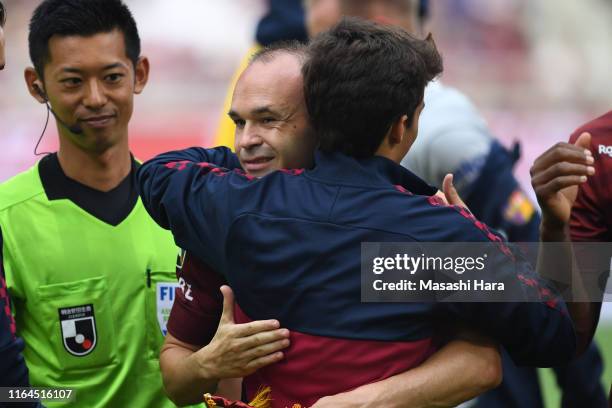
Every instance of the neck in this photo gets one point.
(101, 171)
(391, 157)
(390, 153)
(394, 150)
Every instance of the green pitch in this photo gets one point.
(603, 336)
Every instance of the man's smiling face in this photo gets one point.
(272, 129)
(90, 81)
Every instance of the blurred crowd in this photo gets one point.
(536, 70)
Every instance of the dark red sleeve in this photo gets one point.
(198, 304)
(13, 370)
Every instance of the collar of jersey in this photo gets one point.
(376, 172)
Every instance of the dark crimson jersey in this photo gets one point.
(591, 219)
(592, 213)
(13, 370)
(198, 303)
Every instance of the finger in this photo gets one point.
(442, 197)
(557, 184)
(266, 349)
(560, 170)
(227, 315)
(264, 361)
(450, 192)
(259, 327)
(561, 152)
(263, 338)
(584, 141)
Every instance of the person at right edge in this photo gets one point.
(591, 219)
(590, 222)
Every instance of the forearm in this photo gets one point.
(557, 263)
(184, 380)
(458, 372)
(557, 176)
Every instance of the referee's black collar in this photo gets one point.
(111, 207)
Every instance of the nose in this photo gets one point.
(95, 96)
(249, 136)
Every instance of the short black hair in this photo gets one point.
(83, 18)
(2, 15)
(359, 78)
(268, 52)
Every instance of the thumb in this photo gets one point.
(228, 304)
(584, 141)
(450, 192)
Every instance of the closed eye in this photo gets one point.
(238, 122)
(268, 120)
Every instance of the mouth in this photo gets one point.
(98, 121)
(257, 164)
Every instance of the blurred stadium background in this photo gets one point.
(535, 69)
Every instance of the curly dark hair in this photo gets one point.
(359, 78)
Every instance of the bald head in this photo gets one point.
(272, 129)
(269, 52)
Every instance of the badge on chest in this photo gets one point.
(78, 324)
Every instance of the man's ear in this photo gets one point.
(141, 74)
(414, 124)
(35, 85)
(398, 130)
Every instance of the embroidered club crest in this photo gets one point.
(518, 209)
(78, 326)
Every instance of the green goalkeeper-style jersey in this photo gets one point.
(90, 299)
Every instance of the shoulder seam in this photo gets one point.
(331, 208)
(37, 191)
(29, 197)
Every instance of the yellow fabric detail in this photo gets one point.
(262, 399)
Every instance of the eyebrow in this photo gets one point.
(113, 66)
(264, 109)
(105, 68)
(259, 111)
